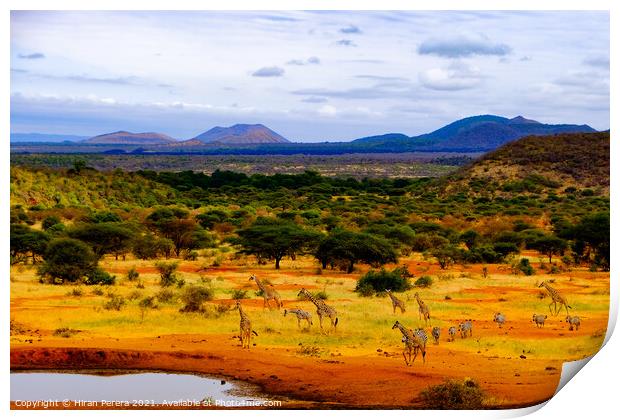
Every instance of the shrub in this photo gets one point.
(134, 295)
(524, 267)
(365, 290)
(65, 332)
(146, 304)
(191, 256)
(115, 303)
(97, 291)
(132, 274)
(424, 281)
(453, 395)
(167, 273)
(50, 221)
(380, 280)
(75, 292)
(165, 295)
(239, 294)
(321, 295)
(194, 297)
(98, 276)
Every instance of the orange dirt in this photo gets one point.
(306, 380)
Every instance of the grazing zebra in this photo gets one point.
(301, 314)
(436, 331)
(414, 341)
(539, 320)
(573, 322)
(396, 302)
(452, 333)
(500, 318)
(466, 327)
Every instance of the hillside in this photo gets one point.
(473, 134)
(560, 164)
(241, 134)
(126, 137)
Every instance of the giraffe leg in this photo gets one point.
(550, 310)
(321, 323)
(405, 357)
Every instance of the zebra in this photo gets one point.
(500, 318)
(573, 322)
(465, 327)
(539, 320)
(452, 333)
(301, 315)
(435, 333)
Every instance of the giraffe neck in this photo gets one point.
(419, 300)
(551, 289)
(259, 284)
(241, 313)
(403, 330)
(312, 299)
(391, 295)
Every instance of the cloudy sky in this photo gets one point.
(310, 76)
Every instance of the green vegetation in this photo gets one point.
(378, 281)
(453, 395)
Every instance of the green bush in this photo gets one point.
(98, 276)
(453, 395)
(167, 273)
(115, 303)
(239, 294)
(132, 274)
(424, 281)
(525, 267)
(165, 295)
(380, 280)
(194, 298)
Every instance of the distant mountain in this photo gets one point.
(44, 138)
(559, 163)
(241, 134)
(125, 137)
(474, 134)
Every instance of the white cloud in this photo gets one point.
(457, 76)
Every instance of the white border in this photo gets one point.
(593, 395)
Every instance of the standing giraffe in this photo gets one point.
(396, 302)
(269, 293)
(245, 328)
(423, 308)
(556, 298)
(322, 309)
(414, 341)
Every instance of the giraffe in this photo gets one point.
(423, 308)
(414, 342)
(322, 309)
(245, 328)
(396, 302)
(301, 314)
(269, 293)
(556, 298)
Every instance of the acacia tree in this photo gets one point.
(354, 247)
(273, 239)
(549, 245)
(67, 260)
(104, 238)
(26, 242)
(175, 225)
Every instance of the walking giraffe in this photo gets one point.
(423, 308)
(269, 293)
(556, 298)
(322, 309)
(300, 314)
(245, 328)
(414, 342)
(396, 302)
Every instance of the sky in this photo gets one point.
(310, 76)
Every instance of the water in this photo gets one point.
(152, 387)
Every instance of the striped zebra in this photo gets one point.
(500, 318)
(435, 333)
(466, 327)
(573, 322)
(539, 320)
(452, 333)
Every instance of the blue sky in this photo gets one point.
(311, 76)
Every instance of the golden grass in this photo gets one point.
(364, 323)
